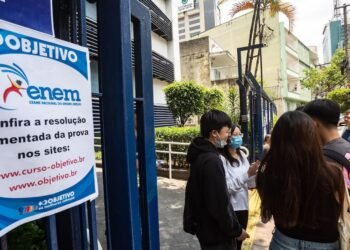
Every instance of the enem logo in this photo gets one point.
(15, 82)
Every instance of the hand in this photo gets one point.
(244, 235)
(253, 168)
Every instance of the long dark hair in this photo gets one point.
(294, 175)
(225, 151)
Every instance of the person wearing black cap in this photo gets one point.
(326, 114)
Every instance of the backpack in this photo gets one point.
(343, 161)
(337, 157)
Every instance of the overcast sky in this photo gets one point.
(311, 16)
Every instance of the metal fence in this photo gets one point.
(170, 152)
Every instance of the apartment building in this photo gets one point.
(165, 51)
(284, 58)
(196, 16)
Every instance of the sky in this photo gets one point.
(311, 17)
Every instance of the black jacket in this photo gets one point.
(207, 203)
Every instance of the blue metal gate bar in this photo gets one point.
(51, 233)
(252, 125)
(258, 118)
(3, 243)
(92, 225)
(145, 125)
(115, 76)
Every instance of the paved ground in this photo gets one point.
(171, 200)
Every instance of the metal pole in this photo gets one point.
(120, 177)
(170, 166)
(3, 243)
(346, 40)
(243, 118)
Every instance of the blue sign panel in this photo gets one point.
(33, 14)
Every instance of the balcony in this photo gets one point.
(222, 66)
(161, 24)
(163, 69)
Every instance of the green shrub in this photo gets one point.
(184, 99)
(213, 99)
(175, 134)
(233, 103)
(30, 236)
(98, 155)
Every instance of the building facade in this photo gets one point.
(333, 38)
(205, 62)
(165, 52)
(201, 16)
(284, 58)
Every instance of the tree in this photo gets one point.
(342, 97)
(213, 99)
(274, 7)
(233, 99)
(323, 80)
(184, 99)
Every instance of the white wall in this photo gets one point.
(94, 76)
(162, 5)
(173, 46)
(158, 93)
(159, 45)
(91, 10)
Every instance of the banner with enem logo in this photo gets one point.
(46, 126)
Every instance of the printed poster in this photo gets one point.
(46, 126)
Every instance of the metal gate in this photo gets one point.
(130, 185)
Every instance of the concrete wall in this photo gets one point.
(235, 33)
(277, 57)
(195, 61)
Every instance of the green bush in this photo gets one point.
(184, 99)
(233, 103)
(175, 134)
(213, 99)
(98, 155)
(30, 236)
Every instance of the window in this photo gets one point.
(194, 34)
(181, 25)
(194, 22)
(194, 16)
(217, 74)
(182, 37)
(195, 28)
(181, 31)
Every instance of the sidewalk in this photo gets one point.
(171, 201)
(171, 196)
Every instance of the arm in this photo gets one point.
(248, 177)
(237, 183)
(216, 198)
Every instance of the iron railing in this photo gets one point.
(170, 152)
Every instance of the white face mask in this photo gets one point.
(220, 143)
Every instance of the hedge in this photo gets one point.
(175, 134)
